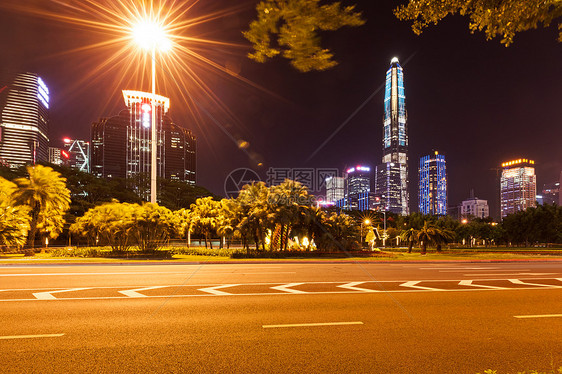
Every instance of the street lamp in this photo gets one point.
(384, 229)
(150, 35)
(366, 222)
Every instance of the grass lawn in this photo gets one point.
(391, 255)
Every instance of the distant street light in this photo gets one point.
(366, 222)
(150, 35)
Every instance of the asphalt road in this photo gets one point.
(282, 318)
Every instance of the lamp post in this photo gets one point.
(384, 229)
(151, 35)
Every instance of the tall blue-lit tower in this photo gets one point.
(432, 196)
(391, 177)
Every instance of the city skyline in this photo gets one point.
(478, 126)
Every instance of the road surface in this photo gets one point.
(282, 318)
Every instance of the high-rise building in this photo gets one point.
(550, 193)
(76, 154)
(55, 156)
(121, 144)
(391, 177)
(357, 188)
(24, 119)
(475, 207)
(518, 186)
(335, 187)
(432, 196)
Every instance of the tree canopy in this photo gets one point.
(503, 18)
(295, 26)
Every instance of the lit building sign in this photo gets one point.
(43, 93)
(516, 162)
(358, 168)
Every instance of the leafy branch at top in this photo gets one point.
(295, 25)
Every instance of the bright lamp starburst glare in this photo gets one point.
(149, 34)
(187, 71)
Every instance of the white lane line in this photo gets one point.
(47, 295)
(517, 281)
(63, 274)
(480, 269)
(135, 293)
(8, 337)
(487, 274)
(313, 324)
(540, 316)
(412, 284)
(445, 270)
(215, 291)
(352, 286)
(467, 282)
(285, 288)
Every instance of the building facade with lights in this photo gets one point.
(391, 177)
(76, 154)
(474, 207)
(121, 145)
(335, 189)
(518, 186)
(432, 195)
(24, 119)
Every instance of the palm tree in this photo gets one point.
(430, 233)
(45, 193)
(288, 199)
(14, 220)
(409, 236)
(254, 212)
(205, 211)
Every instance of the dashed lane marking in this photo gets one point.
(9, 337)
(539, 316)
(313, 324)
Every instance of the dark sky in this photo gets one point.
(476, 101)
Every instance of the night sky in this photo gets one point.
(476, 101)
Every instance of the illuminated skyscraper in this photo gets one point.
(335, 187)
(432, 196)
(391, 177)
(76, 154)
(518, 186)
(121, 144)
(24, 116)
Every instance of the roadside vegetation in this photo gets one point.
(283, 221)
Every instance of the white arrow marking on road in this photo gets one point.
(285, 288)
(215, 291)
(351, 286)
(517, 281)
(469, 283)
(135, 292)
(47, 295)
(412, 284)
